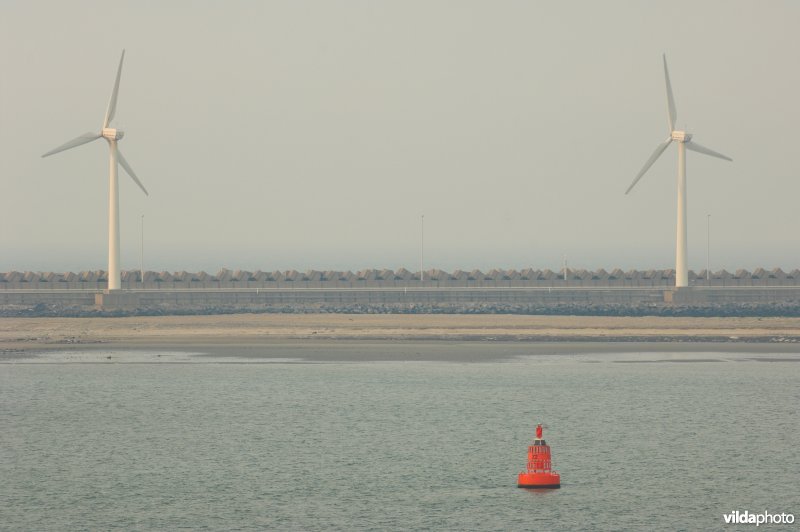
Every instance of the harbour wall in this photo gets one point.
(653, 292)
(621, 301)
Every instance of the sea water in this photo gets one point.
(167, 441)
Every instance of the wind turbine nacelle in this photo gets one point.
(681, 136)
(112, 134)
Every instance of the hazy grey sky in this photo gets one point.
(279, 135)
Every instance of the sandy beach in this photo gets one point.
(252, 335)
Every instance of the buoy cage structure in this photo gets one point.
(538, 473)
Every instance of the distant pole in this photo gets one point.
(141, 255)
(708, 248)
(422, 251)
(565, 268)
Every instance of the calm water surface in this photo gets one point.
(641, 441)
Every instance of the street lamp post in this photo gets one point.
(422, 251)
(141, 255)
(708, 249)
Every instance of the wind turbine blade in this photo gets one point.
(692, 145)
(129, 171)
(672, 113)
(112, 103)
(659, 150)
(83, 139)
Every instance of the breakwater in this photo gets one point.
(402, 278)
(771, 293)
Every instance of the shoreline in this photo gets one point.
(306, 351)
(293, 352)
(396, 337)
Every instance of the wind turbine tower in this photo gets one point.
(685, 142)
(113, 136)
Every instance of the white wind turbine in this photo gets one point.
(685, 142)
(112, 136)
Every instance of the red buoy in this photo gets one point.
(539, 474)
